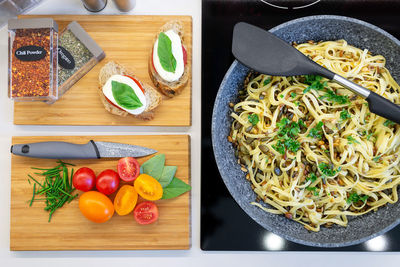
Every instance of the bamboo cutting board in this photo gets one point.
(70, 230)
(127, 40)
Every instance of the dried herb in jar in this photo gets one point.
(80, 55)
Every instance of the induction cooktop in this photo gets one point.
(224, 225)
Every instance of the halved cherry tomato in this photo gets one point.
(128, 169)
(84, 179)
(146, 212)
(125, 200)
(107, 182)
(136, 81)
(96, 206)
(148, 187)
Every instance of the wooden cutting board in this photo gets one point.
(70, 230)
(127, 40)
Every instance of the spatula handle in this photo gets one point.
(377, 104)
(383, 107)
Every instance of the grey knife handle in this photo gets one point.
(57, 150)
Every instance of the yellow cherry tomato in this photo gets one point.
(125, 200)
(96, 206)
(148, 187)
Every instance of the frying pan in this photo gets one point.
(360, 229)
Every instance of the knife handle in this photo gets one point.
(57, 150)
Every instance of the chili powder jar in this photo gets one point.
(32, 66)
(78, 53)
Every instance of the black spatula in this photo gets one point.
(264, 52)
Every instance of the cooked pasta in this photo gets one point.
(310, 148)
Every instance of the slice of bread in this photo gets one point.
(170, 89)
(153, 98)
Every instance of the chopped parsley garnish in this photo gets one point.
(280, 147)
(314, 82)
(327, 170)
(377, 158)
(311, 177)
(287, 133)
(369, 136)
(281, 95)
(316, 132)
(293, 94)
(267, 81)
(331, 96)
(253, 119)
(351, 140)
(312, 189)
(354, 198)
(301, 123)
(297, 103)
(388, 123)
(344, 115)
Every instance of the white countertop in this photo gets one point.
(193, 257)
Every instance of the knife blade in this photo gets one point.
(90, 150)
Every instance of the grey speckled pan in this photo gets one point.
(359, 229)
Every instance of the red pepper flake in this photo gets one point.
(31, 78)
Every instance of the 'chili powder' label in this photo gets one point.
(30, 53)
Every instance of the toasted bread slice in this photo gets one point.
(153, 98)
(169, 89)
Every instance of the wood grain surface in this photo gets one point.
(127, 40)
(70, 230)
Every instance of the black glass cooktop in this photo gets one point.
(224, 225)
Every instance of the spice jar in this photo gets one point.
(32, 68)
(77, 54)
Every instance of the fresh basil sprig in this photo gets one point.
(164, 50)
(125, 96)
(165, 175)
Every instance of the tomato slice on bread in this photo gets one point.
(137, 82)
(146, 213)
(184, 52)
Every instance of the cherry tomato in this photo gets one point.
(128, 169)
(146, 212)
(84, 179)
(125, 200)
(107, 182)
(148, 187)
(96, 206)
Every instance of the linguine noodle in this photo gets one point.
(311, 149)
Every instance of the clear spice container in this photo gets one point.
(77, 54)
(32, 68)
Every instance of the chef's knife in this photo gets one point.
(91, 150)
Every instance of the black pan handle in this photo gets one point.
(383, 107)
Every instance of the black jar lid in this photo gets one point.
(35, 23)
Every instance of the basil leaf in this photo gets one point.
(125, 96)
(154, 166)
(176, 188)
(167, 175)
(164, 50)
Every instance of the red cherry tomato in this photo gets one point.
(107, 182)
(137, 82)
(84, 179)
(128, 169)
(146, 212)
